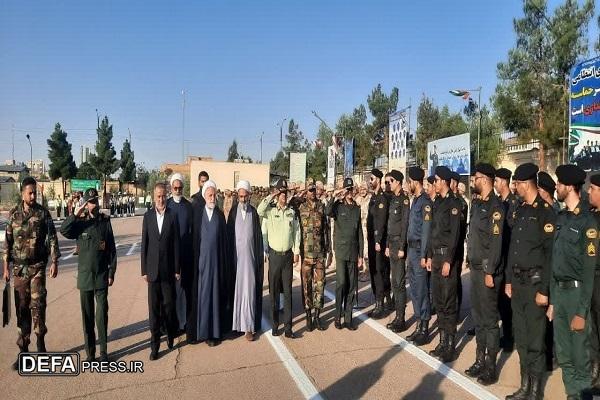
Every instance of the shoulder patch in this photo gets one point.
(405, 202)
(591, 233)
(496, 216)
(455, 211)
(548, 228)
(380, 205)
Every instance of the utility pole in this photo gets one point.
(280, 124)
(129, 130)
(12, 130)
(261, 142)
(183, 127)
(97, 119)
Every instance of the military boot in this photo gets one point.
(23, 348)
(423, 336)
(41, 344)
(414, 335)
(309, 321)
(477, 368)
(389, 304)
(318, 324)
(378, 312)
(537, 388)
(524, 390)
(441, 345)
(448, 354)
(488, 375)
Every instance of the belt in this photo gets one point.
(414, 244)
(22, 262)
(442, 251)
(568, 284)
(280, 253)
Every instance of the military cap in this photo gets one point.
(570, 174)
(397, 175)
(443, 172)
(595, 179)
(486, 169)
(348, 183)
(377, 173)
(455, 176)
(431, 179)
(526, 172)
(90, 194)
(416, 173)
(281, 185)
(546, 182)
(503, 173)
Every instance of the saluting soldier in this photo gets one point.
(348, 242)
(594, 199)
(419, 223)
(573, 262)
(484, 248)
(527, 279)
(441, 253)
(397, 228)
(30, 240)
(96, 269)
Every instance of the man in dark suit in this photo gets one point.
(197, 199)
(160, 267)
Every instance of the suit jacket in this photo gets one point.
(160, 251)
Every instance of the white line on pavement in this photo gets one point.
(130, 252)
(70, 255)
(302, 380)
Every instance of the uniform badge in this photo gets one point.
(548, 228)
(576, 211)
(405, 202)
(546, 205)
(455, 211)
(591, 250)
(428, 208)
(591, 233)
(514, 214)
(535, 205)
(427, 218)
(496, 229)
(380, 205)
(496, 216)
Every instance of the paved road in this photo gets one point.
(368, 363)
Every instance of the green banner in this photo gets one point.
(80, 185)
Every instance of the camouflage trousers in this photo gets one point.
(30, 300)
(313, 282)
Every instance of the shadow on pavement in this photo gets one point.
(427, 389)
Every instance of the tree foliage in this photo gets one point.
(104, 161)
(127, 163)
(60, 156)
(232, 152)
(86, 171)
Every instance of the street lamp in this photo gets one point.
(465, 95)
(280, 125)
(30, 155)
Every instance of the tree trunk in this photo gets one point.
(542, 161)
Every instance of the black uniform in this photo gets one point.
(510, 207)
(397, 228)
(376, 233)
(460, 251)
(595, 317)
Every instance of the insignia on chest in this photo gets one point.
(496, 216)
(455, 211)
(591, 233)
(548, 228)
(380, 205)
(591, 250)
(405, 202)
(427, 208)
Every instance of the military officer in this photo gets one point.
(30, 240)
(594, 198)
(315, 246)
(419, 222)
(442, 250)
(348, 242)
(527, 279)
(97, 265)
(376, 236)
(546, 188)
(484, 248)
(397, 228)
(460, 254)
(574, 257)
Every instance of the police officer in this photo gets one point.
(30, 240)
(376, 235)
(527, 279)
(314, 247)
(442, 250)
(546, 188)
(348, 242)
(97, 265)
(460, 254)
(419, 222)
(484, 248)
(574, 257)
(281, 233)
(397, 228)
(594, 198)
(509, 203)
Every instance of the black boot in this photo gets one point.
(524, 390)
(338, 323)
(389, 305)
(41, 344)
(378, 311)
(414, 335)
(400, 322)
(23, 348)
(439, 349)
(448, 354)
(309, 321)
(318, 324)
(489, 376)
(596, 374)
(423, 336)
(477, 368)
(537, 389)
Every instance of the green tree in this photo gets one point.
(232, 152)
(295, 143)
(142, 177)
(127, 163)
(317, 157)
(104, 161)
(60, 156)
(86, 171)
(381, 106)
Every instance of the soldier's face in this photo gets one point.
(594, 195)
(374, 182)
(320, 191)
(29, 194)
(311, 194)
(348, 196)
(282, 198)
(561, 191)
(521, 187)
(394, 184)
(439, 184)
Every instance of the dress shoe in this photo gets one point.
(170, 343)
(290, 334)
(213, 342)
(350, 326)
(249, 336)
(275, 332)
(337, 324)
(153, 355)
(103, 357)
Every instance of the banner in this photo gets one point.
(454, 152)
(298, 167)
(80, 185)
(584, 111)
(348, 158)
(331, 165)
(398, 138)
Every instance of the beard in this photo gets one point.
(210, 205)
(177, 198)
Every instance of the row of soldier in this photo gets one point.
(122, 205)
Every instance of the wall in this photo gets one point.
(223, 173)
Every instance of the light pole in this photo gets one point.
(280, 124)
(465, 95)
(261, 142)
(30, 155)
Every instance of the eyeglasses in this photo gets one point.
(177, 188)
(388, 182)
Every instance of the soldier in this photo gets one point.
(527, 279)
(348, 243)
(30, 240)
(397, 227)
(574, 257)
(484, 248)
(97, 265)
(509, 203)
(460, 255)
(441, 253)
(315, 245)
(594, 198)
(417, 237)
(546, 188)
(376, 235)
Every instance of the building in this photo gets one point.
(183, 169)
(13, 171)
(84, 155)
(37, 167)
(517, 152)
(227, 174)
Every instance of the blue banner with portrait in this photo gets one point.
(348, 158)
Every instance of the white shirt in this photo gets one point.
(209, 212)
(243, 211)
(160, 217)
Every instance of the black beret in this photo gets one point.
(570, 174)
(486, 169)
(416, 173)
(397, 175)
(90, 194)
(348, 183)
(443, 172)
(595, 179)
(503, 173)
(281, 184)
(546, 182)
(455, 176)
(377, 173)
(431, 179)
(526, 172)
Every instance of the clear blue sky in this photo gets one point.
(245, 65)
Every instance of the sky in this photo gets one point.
(244, 67)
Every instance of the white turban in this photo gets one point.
(243, 185)
(208, 184)
(176, 177)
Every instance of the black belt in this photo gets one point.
(568, 284)
(414, 244)
(19, 262)
(280, 253)
(442, 251)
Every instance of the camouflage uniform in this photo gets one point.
(315, 243)
(30, 240)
